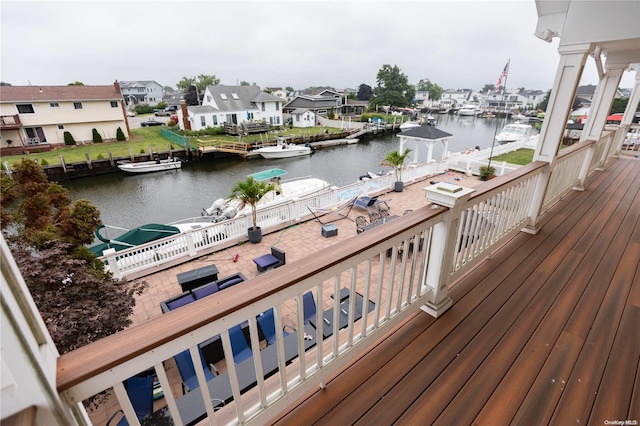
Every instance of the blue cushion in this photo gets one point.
(180, 302)
(229, 283)
(205, 291)
(266, 260)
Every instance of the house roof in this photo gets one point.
(58, 93)
(300, 111)
(244, 99)
(313, 102)
(426, 132)
(138, 83)
(204, 109)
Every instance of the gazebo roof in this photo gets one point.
(425, 132)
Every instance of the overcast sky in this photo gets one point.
(455, 44)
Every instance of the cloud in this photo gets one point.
(455, 44)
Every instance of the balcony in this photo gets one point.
(10, 122)
(537, 327)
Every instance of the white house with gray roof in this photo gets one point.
(234, 104)
(142, 92)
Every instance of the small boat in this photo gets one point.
(286, 190)
(151, 166)
(519, 117)
(469, 110)
(408, 125)
(132, 237)
(283, 150)
(514, 132)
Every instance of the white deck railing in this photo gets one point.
(398, 267)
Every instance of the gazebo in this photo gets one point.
(427, 135)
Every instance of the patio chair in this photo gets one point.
(383, 213)
(267, 324)
(361, 222)
(239, 346)
(140, 391)
(188, 371)
(308, 306)
(374, 217)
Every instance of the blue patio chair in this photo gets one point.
(240, 347)
(140, 391)
(267, 324)
(308, 306)
(188, 371)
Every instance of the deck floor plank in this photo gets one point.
(523, 329)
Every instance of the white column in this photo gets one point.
(430, 151)
(601, 104)
(445, 148)
(416, 148)
(555, 121)
(634, 100)
(560, 102)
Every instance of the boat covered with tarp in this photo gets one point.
(132, 237)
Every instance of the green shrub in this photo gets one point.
(96, 136)
(171, 123)
(143, 109)
(120, 135)
(68, 139)
(161, 105)
(44, 162)
(487, 172)
(100, 157)
(142, 151)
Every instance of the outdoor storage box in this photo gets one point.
(329, 230)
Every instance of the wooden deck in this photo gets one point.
(546, 331)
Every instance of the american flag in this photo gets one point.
(502, 75)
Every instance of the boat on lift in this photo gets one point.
(150, 166)
(283, 149)
(514, 132)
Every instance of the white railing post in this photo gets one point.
(191, 244)
(443, 243)
(110, 258)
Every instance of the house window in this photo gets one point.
(262, 106)
(322, 111)
(235, 96)
(232, 118)
(208, 98)
(25, 108)
(298, 118)
(277, 121)
(114, 104)
(214, 119)
(277, 106)
(271, 121)
(77, 105)
(203, 121)
(249, 116)
(54, 104)
(223, 96)
(60, 127)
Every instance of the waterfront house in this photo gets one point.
(36, 117)
(514, 303)
(234, 105)
(319, 104)
(142, 92)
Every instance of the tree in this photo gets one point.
(68, 138)
(201, 82)
(434, 90)
(289, 89)
(191, 97)
(78, 299)
(120, 135)
(96, 136)
(76, 83)
(249, 192)
(244, 83)
(545, 101)
(364, 92)
(392, 88)
(4, 83)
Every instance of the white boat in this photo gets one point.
(469, 110)
(151, 166)
(285, 192)
(408, 125)
(514, 132)
(283, 150)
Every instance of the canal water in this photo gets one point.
(128, 201)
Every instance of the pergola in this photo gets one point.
(427, 136)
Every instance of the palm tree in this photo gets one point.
(248, 193)
(396, 160)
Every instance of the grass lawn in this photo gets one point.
(521, 157)
(143, 139)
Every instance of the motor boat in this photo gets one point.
(283, 150)
(469, 110)
(285, 191)
(514, 132)
(408, 125)
(151, 166)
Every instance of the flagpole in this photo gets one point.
(495, 130)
